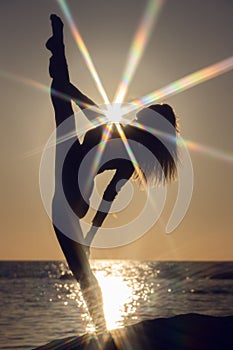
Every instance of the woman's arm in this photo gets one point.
(80, 99)
(84, 103)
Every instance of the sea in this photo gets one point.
(40, 301)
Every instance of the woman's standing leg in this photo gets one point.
(74, 252)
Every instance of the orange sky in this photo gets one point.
(188, 36)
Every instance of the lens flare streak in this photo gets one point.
(106, 135)
(83, 49)
(97, 122)
(130, 153)
(42, 87)
(185, 83)
(138, 46)
(192, 146)
(210, 151)
(25, 81)
(153, 131)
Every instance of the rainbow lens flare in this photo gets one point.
(210, 151)
(106, 135)
(25, 81)
(138, 47)
(192, 146)
(42, 87)
(83, 49)
(185, 83)
(130, 153)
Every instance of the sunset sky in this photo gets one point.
(187, 36)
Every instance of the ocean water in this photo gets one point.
(40, 302)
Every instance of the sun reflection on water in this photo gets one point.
(116, 294)
(127, 288)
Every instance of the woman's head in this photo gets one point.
(167, 112)
(159, 135)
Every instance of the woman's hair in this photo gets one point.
(157, 129)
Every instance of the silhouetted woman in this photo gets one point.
(74, 252)
(158, 169)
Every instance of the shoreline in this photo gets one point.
(187, 331)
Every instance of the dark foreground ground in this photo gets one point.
(191, 331)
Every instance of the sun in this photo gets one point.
(114, 112)
(118, 113)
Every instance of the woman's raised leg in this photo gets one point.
(74, 252)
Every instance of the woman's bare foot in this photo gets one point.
(57, 25)
(56, 41)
